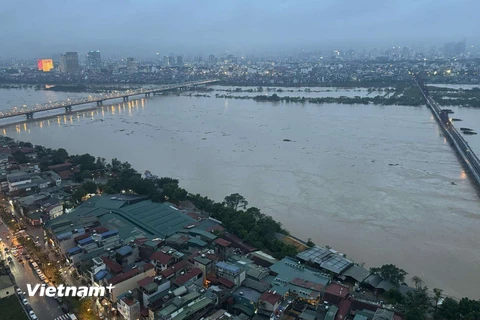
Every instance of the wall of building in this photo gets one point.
(130, 284)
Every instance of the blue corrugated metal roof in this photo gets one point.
(109, 234)
(74, 250)
(228, 267)
(124, 250)
(64, 235)
(85, 241)
(101, 274)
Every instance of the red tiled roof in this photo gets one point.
(112, 265)
(161, 257)
(145, 281)
(131, 273)
(65, 175)
(60, 165)
(270, 297)
(167, 272)
(176, 267)
(239, 243)
(307, 284)
(215, 228)
(343, 309)
(193, 215)
(5, 150)
(83, 236)
(187, 276)
(222, 242)
(27, 150)
(140, 241)
(129, 302)
(101, 229)
(225, 282)
(337, 290)
(180, 265)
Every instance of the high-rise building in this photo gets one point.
(166, 61)
(171, 60)
(455, 49)
(94, 61)
(45, 65)
(69, 62)
(179, 61)
(131, 65)
(212, 59)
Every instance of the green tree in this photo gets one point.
(86, 162)
(86, 174)
(90, 187)
(79, 194)
(310, 243)
(21, 157)
(164, 180)
(59, 156)
(394, 296)
(235, 201)
(437, 295)
(417, 302)
(391, 272)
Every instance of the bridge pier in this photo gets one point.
(68, 108)
(125, 98)
(29, 115)
(100, 103)
(147, 95)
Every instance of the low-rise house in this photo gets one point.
(245, 300)
(188, 277)
(334, 293)
(230, 272)
(268, 303)
(161, 260)
(127, 280)
(128, 306)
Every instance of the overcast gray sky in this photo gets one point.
(141, 28)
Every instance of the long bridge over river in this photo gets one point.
(455, 138)
(29, 111)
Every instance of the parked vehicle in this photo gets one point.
(33, 315)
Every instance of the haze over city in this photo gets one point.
(142, 28)
(239, 159)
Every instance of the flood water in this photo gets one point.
(378, 183)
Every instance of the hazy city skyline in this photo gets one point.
(142, 28)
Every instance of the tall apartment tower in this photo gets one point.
(69, 62)
(94, 61)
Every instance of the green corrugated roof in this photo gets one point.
(144, 218)
(332, 312)
(197, 241)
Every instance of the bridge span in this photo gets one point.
(469, 158)
(28, 111)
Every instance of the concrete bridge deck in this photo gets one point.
(98, 99)
(470, 159)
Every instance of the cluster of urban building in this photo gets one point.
(454, 63)
(174, 262)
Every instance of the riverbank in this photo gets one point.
(321, 184)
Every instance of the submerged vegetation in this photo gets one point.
(402, 95)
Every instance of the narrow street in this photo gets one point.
(44, 307)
